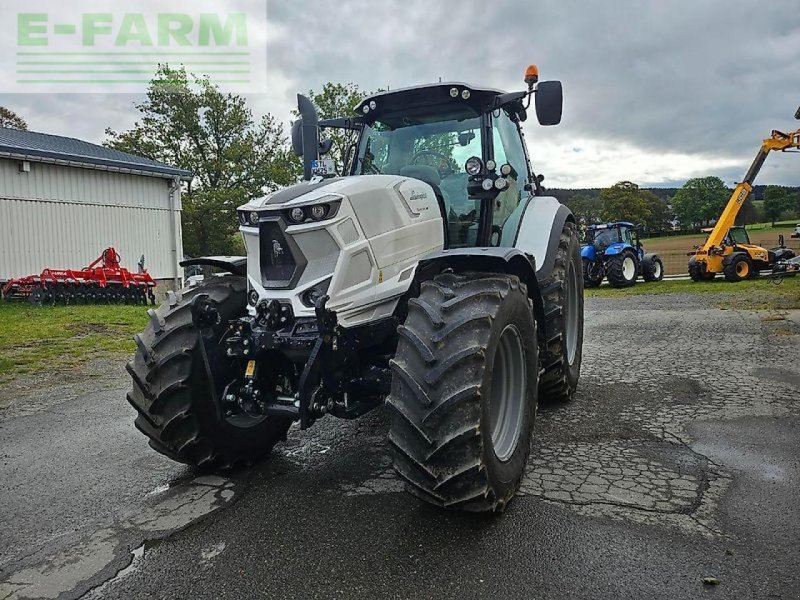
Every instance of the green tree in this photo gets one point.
(332, 101)
(587, 209)
(624, 201)
(776, 200)
(11, 120)
(700, 201)
(661, 216)
(189, 123)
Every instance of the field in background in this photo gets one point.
(52, 339)
(673, 249)
(753, 294)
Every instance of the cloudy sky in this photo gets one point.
(655, 92)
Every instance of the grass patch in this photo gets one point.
(757, 294)
(33, 338)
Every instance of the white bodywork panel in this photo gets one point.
(537, 224)
(385, 224)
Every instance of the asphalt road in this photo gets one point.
(678, 460)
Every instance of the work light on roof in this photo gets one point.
(465, 94)
(487, 184)
(454, 92)
(373, 105)
(505, 169)
(491, 165)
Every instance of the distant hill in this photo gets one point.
(564, 194)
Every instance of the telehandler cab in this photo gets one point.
(728, 249)
(431, 274)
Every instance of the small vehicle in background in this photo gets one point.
(614, 251)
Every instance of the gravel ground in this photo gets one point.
(677, 461)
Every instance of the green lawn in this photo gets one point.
(758, 294)
(62, 337)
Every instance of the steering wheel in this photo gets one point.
(443, 166)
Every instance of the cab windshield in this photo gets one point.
(603, 238)
(739, 235)
(434, 150)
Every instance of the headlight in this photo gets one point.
(324, 208)
(473, 166)
(253, 218)
(505, 169)
(252, 297)
(491, 165)
(310, 296)
(318, 211)
(500, 183)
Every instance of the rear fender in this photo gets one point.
(233, 264)
(487, 260)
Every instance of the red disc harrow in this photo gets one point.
(102, 282)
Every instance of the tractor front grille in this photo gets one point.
(282, 262)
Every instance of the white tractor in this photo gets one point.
(431, 274)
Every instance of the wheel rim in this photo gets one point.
(656, 269)
(571, 314)
(507, 399)
(742, 268)
(628, 268)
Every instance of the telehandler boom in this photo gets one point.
(728, 249)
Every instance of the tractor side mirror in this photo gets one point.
(325, 147)
(297, 137)
(549, 102)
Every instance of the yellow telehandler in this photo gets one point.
(728, 249)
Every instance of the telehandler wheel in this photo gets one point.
(738, 267)
(562, 346)
(464, 391)
(592, 274)
(171, 391)
(652, 268)
(621, 269)
(696, 273)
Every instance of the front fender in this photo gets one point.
(589, 253)
(233, 264)
(492, 260)
(540, 231)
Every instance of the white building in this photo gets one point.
(62, 201)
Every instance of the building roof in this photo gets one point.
(43, 147)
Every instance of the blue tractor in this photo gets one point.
(613, 251)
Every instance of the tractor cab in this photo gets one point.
(612, 237)
(464, 141)
(736, 236)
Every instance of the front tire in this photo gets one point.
(621, 269)
(592, 274)
(171, 394)
(652, 268)
(464, 391)
(562, 348)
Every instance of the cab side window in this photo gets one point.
(509, 204)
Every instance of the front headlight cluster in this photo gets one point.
(325, 209)
(249, 218)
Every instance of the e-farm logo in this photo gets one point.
(58, 51)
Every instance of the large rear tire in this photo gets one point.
(621, 269)
(176, 410)
(738, 268)
(464, 391)
(562, 341)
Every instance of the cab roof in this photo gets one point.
(420, 98)
(611, 225)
